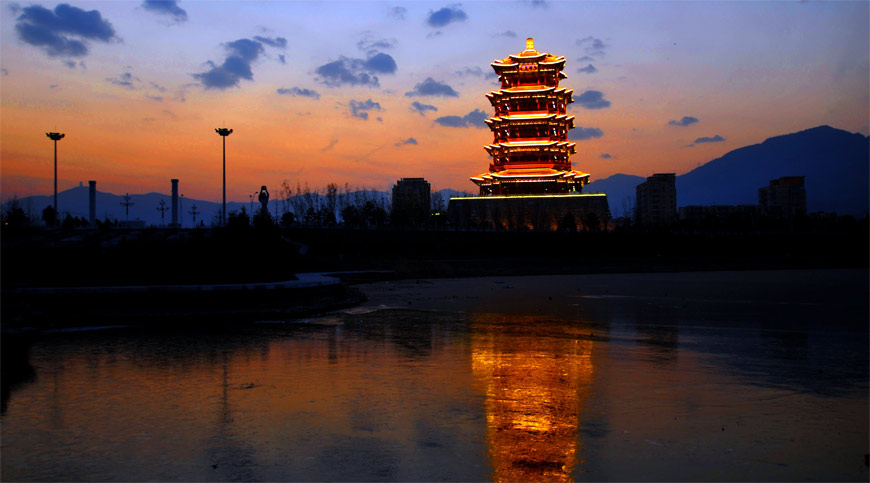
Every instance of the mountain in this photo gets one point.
(620, 189)
(835, 165)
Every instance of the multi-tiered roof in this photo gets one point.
(530, 150)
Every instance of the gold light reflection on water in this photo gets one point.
(535, 384)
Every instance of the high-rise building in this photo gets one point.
(785, 197)
(411, 202)
(530, 149)
(656, 200)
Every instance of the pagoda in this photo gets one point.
(530, 149)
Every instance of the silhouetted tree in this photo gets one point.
(238, 220)
(49, 216)
(287, 219)
(68, 223)
(351, 216)
(14, 216)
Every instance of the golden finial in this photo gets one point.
(530, 44)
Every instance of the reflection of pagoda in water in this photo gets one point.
(534, 389)
(530, 150)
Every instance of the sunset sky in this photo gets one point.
(364, 93)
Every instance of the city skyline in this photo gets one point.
(367, 93)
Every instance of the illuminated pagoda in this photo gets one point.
(530, 150)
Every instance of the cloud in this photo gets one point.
(685, 121)
(445, 16)
(281, 59)
(715, 139)
(474, 118)
(359, 109)
(585, 58)
(584, 133)
(605, 156)
(166, 7)
(157, 86)
(4, 72)
(431, 87)
(398, 13)
(298, 92)
(371, 45)
(155, 98)
(125, 80)
(356, 72)
(277, 42)
(594, 47)
(592, 100)
(332, 143)
(422, 108)
(407, 141)
(473, 71)
(507, 33)
(54, 86)
(241, 54)
(538, 3)
(589, 69)
(63, 32)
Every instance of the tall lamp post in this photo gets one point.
(55, 136)
(224, 132)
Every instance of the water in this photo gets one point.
(596, 386)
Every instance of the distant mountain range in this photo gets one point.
(834, 163)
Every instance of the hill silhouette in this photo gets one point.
(834, 162)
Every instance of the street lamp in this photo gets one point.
(224, 132)
(55, 136)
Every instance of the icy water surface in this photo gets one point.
(605, 388)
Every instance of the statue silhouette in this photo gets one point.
(263, 198)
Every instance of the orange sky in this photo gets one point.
(747, 72)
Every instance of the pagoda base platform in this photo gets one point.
(530, 212)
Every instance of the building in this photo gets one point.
(530, 183)
(656, 200)
(530, 149)
(784, 198)
(411, 202)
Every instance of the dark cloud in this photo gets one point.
(422, 108)
(4, 72)
(407, 141)
(474, 118)
(431, 87)
(298, 92)
(155, 98)
(359, 109)
(592, 100)
(356, 72)
(605, 156)
(157, 86)
(594, 47)
(685, 121)
(507, 33)
(589, 69)
(237, 65)
(126, 80)
(332, 143)
(277, 42)
(54, 86)
(398, 12)
(63, 32)
(381, 63)
(585, 58)
(584, 133)
(70, 63)
(281, 59)
(166, 7)
(538, 3)
(715, 139)
(445, 16)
